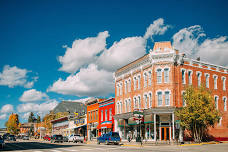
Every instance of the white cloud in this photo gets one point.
(33, 95)
(41, 109)
(87, 82)
(122, 53)
(26, 115)
(214, 51)
(7, 108)
(157, 28)
(83, 52)
(14, 76)
(187, 39)
(3, 116)
(193, 42)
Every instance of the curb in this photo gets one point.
(204, 143)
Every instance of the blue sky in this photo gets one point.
(68, 50)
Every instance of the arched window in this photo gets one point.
(166, 75)
(135, 103)
(149, 78)
(145, 79)
(145, 101)
(129, 103)
(159, 94)
(139, 102)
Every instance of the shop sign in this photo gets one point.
(79, 121)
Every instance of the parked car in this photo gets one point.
(2, 143)
(65, 138)
(78, 138)
(111, 137)
(71, 138)
(25, 138)
(5, 136)
(56, 138)
(47, 138)
(11, 138)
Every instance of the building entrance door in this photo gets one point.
(165, 133)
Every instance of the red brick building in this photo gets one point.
(155, 84)
(106, 113)
(92, 117)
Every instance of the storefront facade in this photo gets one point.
(60, 125)
(106, 113)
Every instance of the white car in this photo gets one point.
(71, 138)
(78, 138)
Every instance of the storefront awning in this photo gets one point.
(79, 126)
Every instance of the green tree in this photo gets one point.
(199, 112)
(13, 124)
(31, 117)
(38, 120)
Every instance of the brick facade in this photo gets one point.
(157, 81)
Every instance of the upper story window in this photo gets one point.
(139, 102)
(135, 103)
(166, 75)
(126, 106)
(102, 115)
(117, 89)
(225, 103)
(183, 99)
(110, 114)
(96, 114)
(215, 81)
(135, 83)
(145, 101)
(121, 88)
(190, 77)
(159, 94)
(224, 83)
(198, 78)
(149, 78)
(145, 79)
(129, 85)
(129, 105)
(159, 75)
(150, 99)
(167, 98)
(106, 114)
(89, 116)
(216, 102)
(121, 107)
(139, 78)
(125, 86)
(207, 80)
(183, 76)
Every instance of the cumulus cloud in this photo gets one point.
(87, 82)
(83, 52)
(214, 51)
(33, 95)
(193, 42)
(3, 116)
(14, 76)
(41, 109)
(122, 53)
(7, 108)
(157, 28)
(187, 39)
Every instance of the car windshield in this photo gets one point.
(58, 135)
(115, 135)
(11, 136)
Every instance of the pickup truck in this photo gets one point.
(78, 138)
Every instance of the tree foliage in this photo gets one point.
(38, 120)
(199, 112)
(13, 124)
(31, 117)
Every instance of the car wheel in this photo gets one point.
(106, 142)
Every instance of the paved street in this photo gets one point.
(35, 146)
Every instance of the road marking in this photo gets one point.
(68, 149)
(38, 151)
(87, 149)
(55, 150)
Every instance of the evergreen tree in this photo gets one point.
(38, 120)
(31, 117)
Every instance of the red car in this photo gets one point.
(47, 138)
